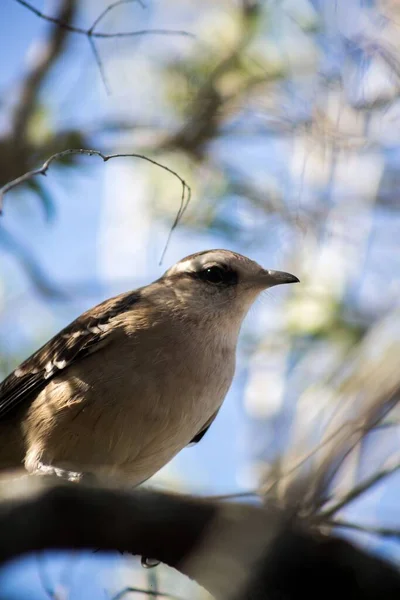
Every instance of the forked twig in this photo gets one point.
(90, 32)
(102, 34)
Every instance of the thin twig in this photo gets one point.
(379, 531)
(247, 494)
(302, 461)
(330, 470)
(185, 200)
(100, 34)
(186, 190)
(100, 65)
(359, 489)
(108, 9)
(90, 33)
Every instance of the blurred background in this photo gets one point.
(283, 117)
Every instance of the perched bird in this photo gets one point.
(132, 381)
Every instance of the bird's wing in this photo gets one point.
(83, 336)
(203, 430)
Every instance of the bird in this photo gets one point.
(134, 380)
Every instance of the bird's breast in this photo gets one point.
(130, 414)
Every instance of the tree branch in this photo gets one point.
(383, 532)
(64, 26)
(108, 9)
(31, 85)
(186, 190)
(235, 551)
(100, 34)
(359, 489)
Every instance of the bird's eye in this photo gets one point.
(218, 275)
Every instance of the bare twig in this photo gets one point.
(100, 34)
(365, 397)
(330, 467)
(99, 65)
(186, 190)
(263, 491)
(90, 33)
(359, 489)
(234, 495)
(185, 199)
(385, 532)
(108, 9)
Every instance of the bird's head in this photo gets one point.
(217, 281)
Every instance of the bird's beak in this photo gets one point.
(269, 278)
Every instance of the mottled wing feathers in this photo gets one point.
(82, 337)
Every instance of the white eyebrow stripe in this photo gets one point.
(188, 265)
(195, 264)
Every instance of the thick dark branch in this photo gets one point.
(234, 551)
(39, 513)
